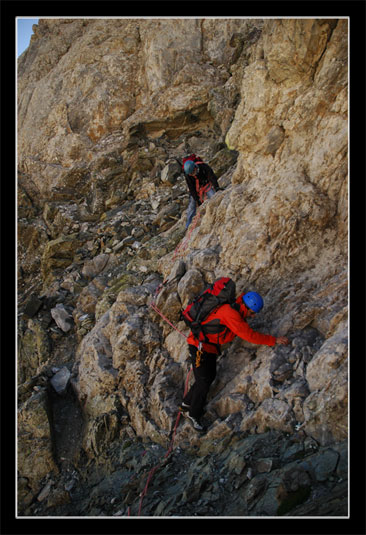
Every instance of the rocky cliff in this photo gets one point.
(105, 109)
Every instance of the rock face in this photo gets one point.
(106, 111)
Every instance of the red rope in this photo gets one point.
(153, 470)
(170, 449)
(154, 307)
(180, 247)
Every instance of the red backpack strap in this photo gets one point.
(193, 157)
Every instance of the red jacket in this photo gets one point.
(236, 326)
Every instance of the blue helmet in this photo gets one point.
(189, 167)
(253, 301)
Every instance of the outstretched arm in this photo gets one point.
(232, 319)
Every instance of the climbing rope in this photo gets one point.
(170, 449)
(182, 246)
(154, 307)
(153, 470)
(179, 250)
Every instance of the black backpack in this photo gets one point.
(218, 293)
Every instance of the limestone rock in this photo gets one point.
(171, 172)
(35, 457)
(190, 285)
(60, 380)
(326, 408)
(62, 317)
(59, 254)
(272, 414)
(32, 306)
(95, 266)
(34, 349)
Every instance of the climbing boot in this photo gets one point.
(195, 423)
(184, 407)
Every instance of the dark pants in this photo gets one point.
(204, 370)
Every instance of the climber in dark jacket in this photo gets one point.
(203, 356)
(202, 184)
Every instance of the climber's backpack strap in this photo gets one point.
(193, 157)
(218, 293)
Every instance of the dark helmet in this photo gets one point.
(253, 301)
(189, 167)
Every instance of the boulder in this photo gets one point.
(60, 380)
(171, 172)
(32, 306)
(190, 285)
(34, 453)
(62, 317)
(58, 254)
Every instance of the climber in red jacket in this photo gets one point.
(203, 357)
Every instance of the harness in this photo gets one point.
(201, 190)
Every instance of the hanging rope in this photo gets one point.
(153, 470)
(170, 449)
(179, 250)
